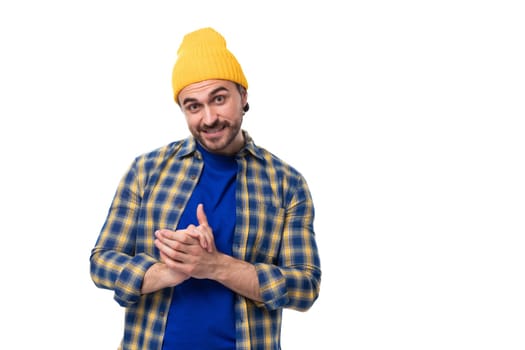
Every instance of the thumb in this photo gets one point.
(201, 215)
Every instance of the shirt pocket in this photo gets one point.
(267, 234)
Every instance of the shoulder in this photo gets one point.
(146, 167)
(287, 183)
(162, 154)
(153, 161)
(162, 151)
(272, 160)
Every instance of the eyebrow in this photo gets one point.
(213, 92)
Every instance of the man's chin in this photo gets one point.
(211, 145)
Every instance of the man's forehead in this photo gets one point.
(204, 89)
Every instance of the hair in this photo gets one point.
(242, 90)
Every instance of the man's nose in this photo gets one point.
(210, 115)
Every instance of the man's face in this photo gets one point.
(214, 113)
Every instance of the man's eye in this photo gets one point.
(193, 107)
(219, 99)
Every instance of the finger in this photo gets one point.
(163, 257)
(180, 236)
(201, 215)
(203, 221)
(165, 234)
(168, 255)
(164, 250)
(195, 233)
(206, 236)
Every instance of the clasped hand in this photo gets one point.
(190, 251)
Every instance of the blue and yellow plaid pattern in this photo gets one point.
(274, 231)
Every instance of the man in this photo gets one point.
(208, 238)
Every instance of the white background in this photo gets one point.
(406, 118)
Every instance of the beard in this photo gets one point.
(222, 137)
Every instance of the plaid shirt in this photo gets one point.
(274, 231)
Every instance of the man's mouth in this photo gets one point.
(213, 130)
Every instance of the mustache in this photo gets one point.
(216, 124)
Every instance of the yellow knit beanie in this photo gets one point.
(202, 56)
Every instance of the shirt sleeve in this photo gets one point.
(295, 281)
(114, 262)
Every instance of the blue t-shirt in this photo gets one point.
(202, 314)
